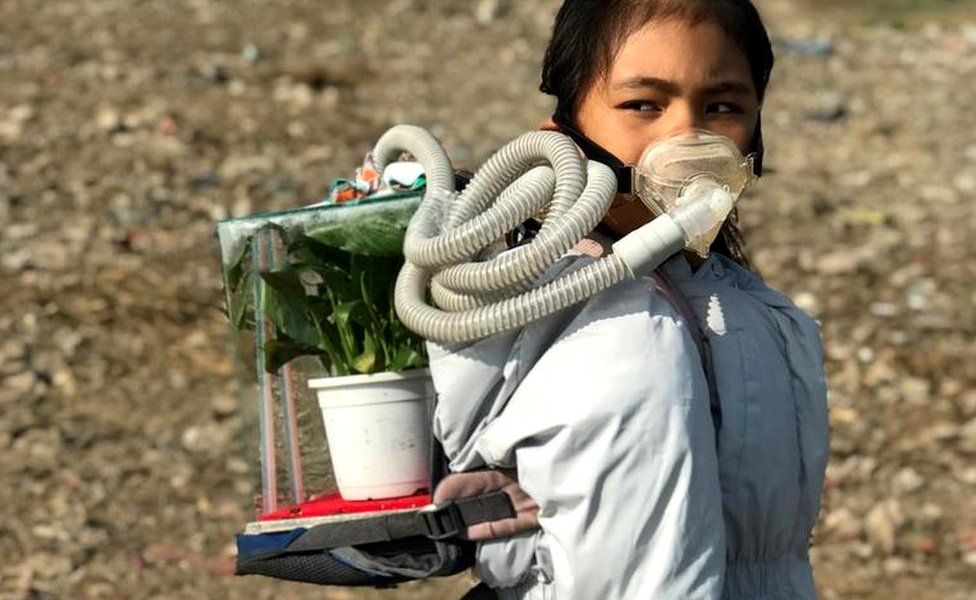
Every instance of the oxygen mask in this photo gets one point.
(678, 171)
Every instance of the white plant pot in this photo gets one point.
(378, 432)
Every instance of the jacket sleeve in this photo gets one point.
(612, 436)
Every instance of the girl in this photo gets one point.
(672, 430)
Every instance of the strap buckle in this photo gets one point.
(441, 522)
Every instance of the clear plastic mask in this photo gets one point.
(667, 168)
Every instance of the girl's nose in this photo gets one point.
(684, 116)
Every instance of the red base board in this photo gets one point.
(333, 504)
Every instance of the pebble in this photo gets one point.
(970, 153)
(942, 432)
(22, 113)
(843, 525)
(884, 309)
(837, 263)
(20, 383)
(807, 47)
(209, 438)
(907, 481)
(238, 465)
(808, 302)
(914, 391)
(10, 130)
(831, 106)
(215, 74)
(236, 165)
(965, 182)
(223, 406)
(967, 437)
(110, 120)
(968, 476)
(882, 524)
(931, 513)
(487, 11)
(865, 354)
(895, 565)
(251, 54)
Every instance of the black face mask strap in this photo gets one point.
(596, 152)
(757, 150)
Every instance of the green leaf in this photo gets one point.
(365, 362)
(406, 358)
(236, 270)
(335, 280)
(284, 301)
(307, 251)
(280, 351)
(286, 282)
(240, 308)
(343, 312)
(379, 234)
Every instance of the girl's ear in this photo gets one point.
(548, 125)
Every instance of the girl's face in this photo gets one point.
(668, 76)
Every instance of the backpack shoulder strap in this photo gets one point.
(677, 300)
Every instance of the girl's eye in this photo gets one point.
(641, 106)
(723, 108)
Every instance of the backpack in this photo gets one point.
(383, 550)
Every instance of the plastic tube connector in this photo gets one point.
(703, 207)
(649, 245)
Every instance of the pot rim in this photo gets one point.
(325, 383)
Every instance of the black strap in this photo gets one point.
(677, 300)
(481, 592)
(598, 153)
(442, 522)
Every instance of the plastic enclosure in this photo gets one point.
(282, 426)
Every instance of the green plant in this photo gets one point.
(324, 301)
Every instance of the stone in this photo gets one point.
(486, 11)
(837, 263)
(10, 131)
(915, 390)
(251, 54)
(881, 526)
(22, 113)
(907, 481)
(808, 302)
(968, 476)
(831, 106)
(842, 525)
(965, 182)
(967, 437)
(223, 406)
(970, 153)
(235, 166)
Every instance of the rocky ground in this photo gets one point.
(128, 128)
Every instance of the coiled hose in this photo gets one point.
(446, 242)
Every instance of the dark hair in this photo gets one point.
(588, 33)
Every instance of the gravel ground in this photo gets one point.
(128, 128)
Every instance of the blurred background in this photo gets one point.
(127, 128)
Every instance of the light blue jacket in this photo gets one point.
(604, 410)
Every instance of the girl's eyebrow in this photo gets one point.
(671, 88)
(656, 83)
(729, 86)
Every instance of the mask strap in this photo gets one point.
(596, 152)
(756, 149)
